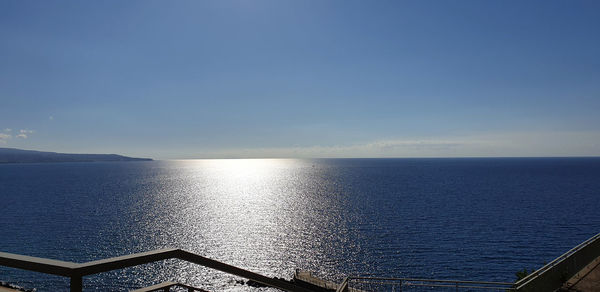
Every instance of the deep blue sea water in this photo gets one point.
(470, 219)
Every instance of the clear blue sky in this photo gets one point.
(196, 79)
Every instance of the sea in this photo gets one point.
(444, 218)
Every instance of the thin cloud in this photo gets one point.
(24, 134)
(4, 138)
(515, 144)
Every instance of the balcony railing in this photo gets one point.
(554, 274)
(547, 278)
(357, 284)
(76, 271)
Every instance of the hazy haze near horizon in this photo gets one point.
(301, 79)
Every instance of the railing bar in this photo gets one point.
(200, 260)
(344, 286)
(395, 283)
(430, 280)
(459, 286)
(42, 265)
(69, 269)
(105, 265)
(441, 285)
(433, 283)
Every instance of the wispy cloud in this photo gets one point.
(4, 138)
(515, 144)
(7, 134)
(24, 134)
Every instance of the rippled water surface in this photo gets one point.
(477, 219)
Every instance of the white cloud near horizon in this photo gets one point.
(4, 138)
(21, 134)
(516, 144)
(24, 134)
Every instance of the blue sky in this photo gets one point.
(205, 79)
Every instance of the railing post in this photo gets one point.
(76, 283)
(344, 286)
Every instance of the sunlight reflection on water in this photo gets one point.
(243, 213)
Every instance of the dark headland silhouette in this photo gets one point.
(13, 155)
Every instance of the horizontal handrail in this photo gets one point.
(431, 280)
(36, 264)
(160, 286)
(115, 263)
(426, 283)
(165, 286)
(76, 270)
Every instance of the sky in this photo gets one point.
(257, 79)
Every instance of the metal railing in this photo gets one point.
(548, 278)
(76, 271)
(552, 275)
(410, 284)
(166, 287)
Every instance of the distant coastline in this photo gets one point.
(13, 155)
